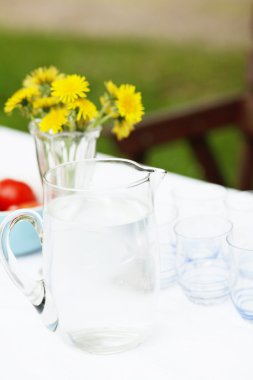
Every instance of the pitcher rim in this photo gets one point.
(147, 170)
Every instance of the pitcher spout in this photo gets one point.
(156, 175)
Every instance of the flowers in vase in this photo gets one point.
(59, 102)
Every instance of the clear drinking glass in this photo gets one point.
(204, 264)
(240, 241)
(199, 198)
(166, 215)
(100, 267)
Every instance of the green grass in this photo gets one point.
(168, 74)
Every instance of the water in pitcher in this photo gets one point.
(99, 254)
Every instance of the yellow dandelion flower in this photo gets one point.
(45, 102)
(86, 110)
(42, 75)
(70, 88)
(129, 103)
(111, 88)
(21, 98)
(122, 129)
(54, 121)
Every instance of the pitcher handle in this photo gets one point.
(34, 290)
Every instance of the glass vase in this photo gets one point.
(53, 150)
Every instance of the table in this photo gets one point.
(190, 342)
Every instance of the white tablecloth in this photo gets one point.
(190, 342)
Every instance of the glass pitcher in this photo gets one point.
(100, 272)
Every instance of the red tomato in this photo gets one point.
(24, 205)
(14, 192)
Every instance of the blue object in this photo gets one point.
(23, 238)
